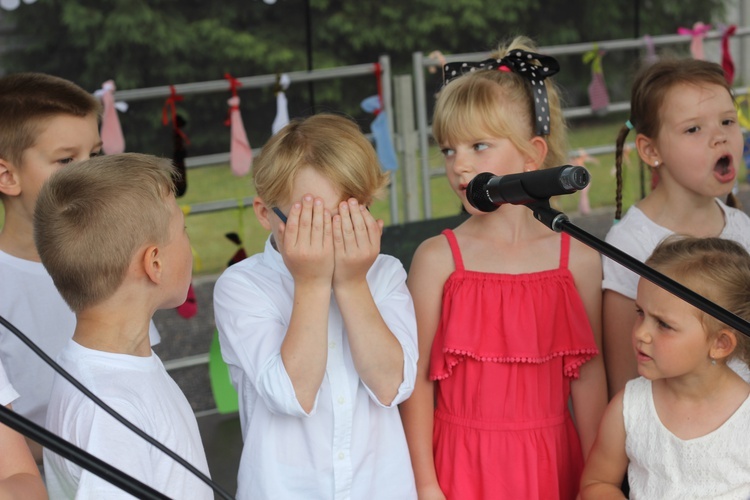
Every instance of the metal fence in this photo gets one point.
(420, 63)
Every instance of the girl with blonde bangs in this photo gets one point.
(508, 312)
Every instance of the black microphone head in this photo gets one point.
(476, 193)
(574, 178)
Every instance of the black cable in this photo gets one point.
(67, 376)
(78, 456)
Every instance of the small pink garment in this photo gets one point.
(112, 139)
(240, 152)
(698, 33)
(584, 205)
(598, 95)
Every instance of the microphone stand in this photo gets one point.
(104, 406)
(559, 222)
(78, 456)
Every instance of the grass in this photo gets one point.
(213, 250)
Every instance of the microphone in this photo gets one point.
(486, 192)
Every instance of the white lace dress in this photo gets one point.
(663, 466)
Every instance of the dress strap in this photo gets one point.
(564, 250)
(458, 261)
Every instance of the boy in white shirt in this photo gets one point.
(113, 238)
(319, 330)
(46, 122)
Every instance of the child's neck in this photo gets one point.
(695, 406)
(102, 331)
(18, 241)
(682, 213)
(513, 223)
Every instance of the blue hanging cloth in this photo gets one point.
(379, 128)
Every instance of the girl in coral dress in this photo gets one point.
(508, 311)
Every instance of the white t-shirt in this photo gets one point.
(31, 303)
(663, 466)
(139, 389)
(638, 236)
(7, 393)
(350, 445)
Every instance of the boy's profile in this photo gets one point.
(319, 330)
(46, 123)
(113, 239)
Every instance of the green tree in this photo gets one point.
(141, 43)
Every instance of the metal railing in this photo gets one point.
(268, 81)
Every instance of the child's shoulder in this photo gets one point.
(433, 249)
(578, 248)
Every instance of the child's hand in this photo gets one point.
(356, 242)
(431, 493)
(307, 242)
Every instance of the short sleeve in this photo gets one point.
(637, 236)
(7, 393)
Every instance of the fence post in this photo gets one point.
(387, 105)
(421, 96)
(407, 145)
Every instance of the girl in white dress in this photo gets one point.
(680, 430)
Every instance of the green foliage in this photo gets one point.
(145, 43)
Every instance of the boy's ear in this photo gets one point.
(540, 148)
(724, 344)
(262, 212)
(152, 264)
(647, 150)
(10, 184)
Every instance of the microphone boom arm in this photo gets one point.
(78, 456)
(559, 222)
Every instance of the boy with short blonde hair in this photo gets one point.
(46, 123)
(113, 238)
(319, 330)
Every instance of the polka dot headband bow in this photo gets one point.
(521, 63)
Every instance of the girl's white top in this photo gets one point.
(663, 466)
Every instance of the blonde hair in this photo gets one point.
(716, 268)
(27, 100)
(650, 88)
(333, 146)
(91, 217)
(499, 104)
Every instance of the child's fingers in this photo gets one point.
(347, 229)
(374, 226)
(359, 226)
(291, 227)
(317, 234)
(305, 220)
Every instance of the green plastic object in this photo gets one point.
(225, 396)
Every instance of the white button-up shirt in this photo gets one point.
(350, 446)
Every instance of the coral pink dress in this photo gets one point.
(505, 351)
